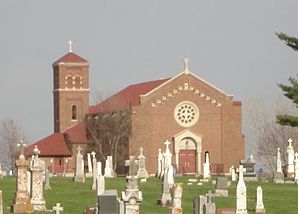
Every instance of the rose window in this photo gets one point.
(186, 114)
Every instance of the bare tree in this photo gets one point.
(10, 135)
(110, 132)
(264, 134)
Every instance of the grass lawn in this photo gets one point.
(75, 197)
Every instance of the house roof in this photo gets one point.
(70, 58)
(129, 96)
(53, 145)
(77, 133)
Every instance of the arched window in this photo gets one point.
(77, 82)
(68, 81)
(74, 112)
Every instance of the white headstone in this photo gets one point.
(278, 161)
(29, 181)
(168, 155)
(290, 151)
(159, 163)
(241, 194)
(233, 173)
(94, 173)
(100, 185)
(58, 209)
(1, 203)
(89, 163)
(206, 167)
(1, 173)
(176, 202)
(296, 167)
(142, 172)
(259, 203)
(99, 168)
(108, 167)
(79, 173)
(37, 198)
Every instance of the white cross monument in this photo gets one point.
(58, 209)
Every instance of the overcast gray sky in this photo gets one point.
(230, 43)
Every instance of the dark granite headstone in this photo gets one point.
(108, 202)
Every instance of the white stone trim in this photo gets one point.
(71, 90)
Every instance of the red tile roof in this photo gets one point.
(70, 58)
(77, 133)
(129, 96)
(53, 145)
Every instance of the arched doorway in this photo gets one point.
(188, 148)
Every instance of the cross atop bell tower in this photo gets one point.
(71, 89)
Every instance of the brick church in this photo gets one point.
(194, 115)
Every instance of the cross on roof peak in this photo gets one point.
(186, 66)
(70, 43)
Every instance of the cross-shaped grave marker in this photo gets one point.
(22, 146)
(133, 165)
(58, 208)
(241, 170)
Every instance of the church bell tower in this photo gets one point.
(71, 90)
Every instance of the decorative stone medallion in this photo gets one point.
(186, 114)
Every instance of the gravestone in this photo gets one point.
(259, 203)
(142, 172)
(100, 184)
(176, 207)
(37, 199)
(241, 193)
(22, 201)
(1, 203)
(198, 204)
(278, 176)
(108, 202)
(89, 173)
(168, 164)
(29, 181)
(94, 173)
(47, 185)
(57, 208)
(249, 174)
(296, 168)
(79, 173)
(209, 207)
(206, 167)
(109, 172)
(1, 173)
(132, 196)
(221, 187)
(233, 173)
(290, 165)
(165, 199)
(99, 168)
(160, 164)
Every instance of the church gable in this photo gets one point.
(185, 83)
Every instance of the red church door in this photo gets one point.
(187, 161)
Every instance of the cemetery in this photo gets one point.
(39, 192)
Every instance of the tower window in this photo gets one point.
(74, 112)
(68, 81)
(77, 82)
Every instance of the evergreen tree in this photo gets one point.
(290, 91)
